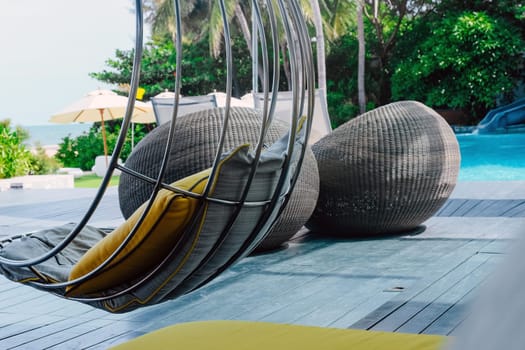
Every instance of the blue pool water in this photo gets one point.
(492, 157)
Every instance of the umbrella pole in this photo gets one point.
(132, 136)
(104, 135)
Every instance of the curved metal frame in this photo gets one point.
(301, 58)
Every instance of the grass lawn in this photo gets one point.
(93, 181)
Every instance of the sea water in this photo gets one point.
(53, 134)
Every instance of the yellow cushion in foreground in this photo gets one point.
(161, 228)
(230, 335)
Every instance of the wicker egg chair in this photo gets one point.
(193, 150)
(187, 232)
(385, 172)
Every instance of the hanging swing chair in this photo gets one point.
(191, 230)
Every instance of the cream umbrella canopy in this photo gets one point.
(98, 106)
(141, 118)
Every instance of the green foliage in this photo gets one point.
(42, 164)
(15, 159)
(81, 151)
(201, 74)
(341, 74)
(447, 53)
(67, 152)
(467, 62)
(510, 10)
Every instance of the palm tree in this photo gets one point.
(361, 96)
(159, 13)
(334, 22)
(321, 51)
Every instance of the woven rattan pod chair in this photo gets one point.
(193, 150)
(384, 172)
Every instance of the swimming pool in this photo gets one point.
(492, 157)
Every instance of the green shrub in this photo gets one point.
(467, 62)
(15, 159)
(81, 151)
(42, 164)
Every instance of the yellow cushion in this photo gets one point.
(229, 335)
(155, 238)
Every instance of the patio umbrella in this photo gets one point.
(98, 106)
(141, 118)
(220, 99)
(146, 117)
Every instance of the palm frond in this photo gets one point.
(216, 25)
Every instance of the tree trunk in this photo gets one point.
(321, 59)
(245, 29)
(361, 59)
(286, 63)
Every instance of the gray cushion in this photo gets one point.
(36, 244)
(194, 148)
(206, 253)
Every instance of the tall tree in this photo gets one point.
(386, 19)
(361, 96)
(332, 19)
(468, 61)
(160, 14)
(321, 51)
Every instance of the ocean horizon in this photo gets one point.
(53, 134)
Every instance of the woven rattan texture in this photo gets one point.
(195, 143)
(386, 171)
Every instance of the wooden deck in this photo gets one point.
(416, 284)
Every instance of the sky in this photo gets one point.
(48, 49)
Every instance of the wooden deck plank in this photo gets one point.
(7, 319)
(91, 339)
(351, 306)
(487, 206)
(273, 285)
(362, 280)
(41, 304)
(434, 271)
(14, 299)
(494, 208)
(26, 325)
(34, 335)
(376, 298)
(518, 210)
(482, 208)
(330, 308)
(110, 342)
(450, 297)
(451, 206)
(453, 317)
(467, 207)
(319, 292)
(427, 296)
(316, 281)
(56, 339)
(243, 296)
(500, 246)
